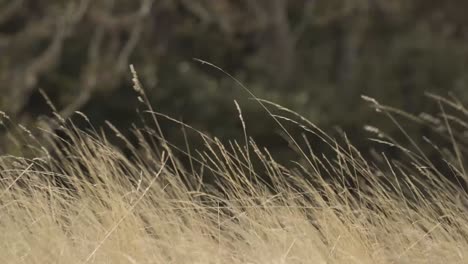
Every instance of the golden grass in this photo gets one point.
(80, 200)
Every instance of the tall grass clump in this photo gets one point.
(77, 198)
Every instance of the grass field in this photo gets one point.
(79, 199)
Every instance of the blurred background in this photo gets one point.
(316, 57)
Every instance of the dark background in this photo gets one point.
(315, 57)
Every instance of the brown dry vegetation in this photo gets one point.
(81, 200)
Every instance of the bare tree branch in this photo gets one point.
(197, 9)
(106, 19)
(105, 68)
(122, 61)
(88, 77)
(24, 79)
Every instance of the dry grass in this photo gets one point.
(89, 203)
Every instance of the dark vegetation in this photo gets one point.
(316, 57)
